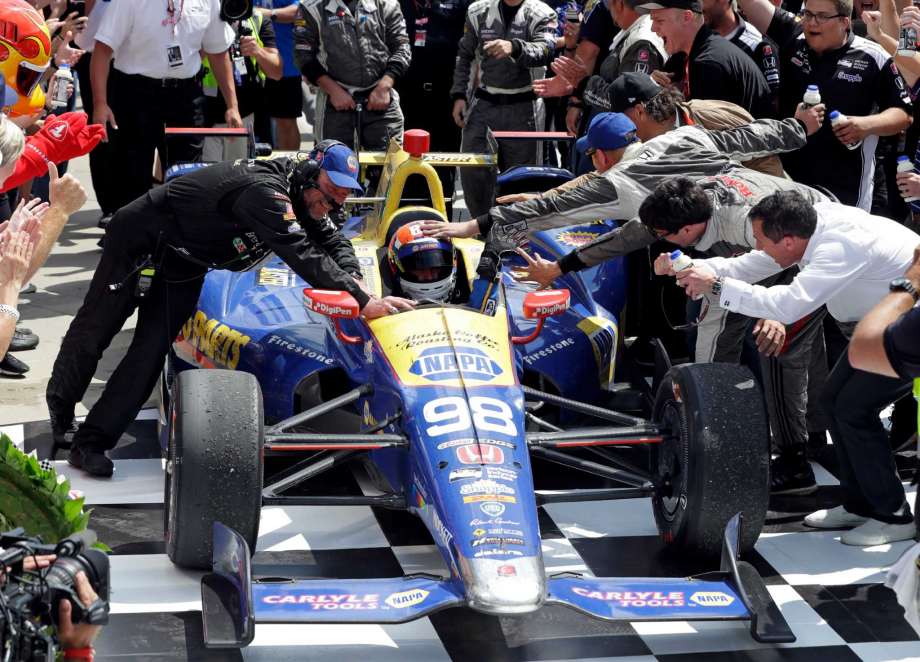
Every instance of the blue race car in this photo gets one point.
(451, 402)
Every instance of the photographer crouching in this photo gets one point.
(53, 598)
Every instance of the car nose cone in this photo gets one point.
(505, 586)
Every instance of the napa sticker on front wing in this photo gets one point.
(446, 347)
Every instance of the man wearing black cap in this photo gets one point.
(655, 110)
(704, 65)
(157, 251)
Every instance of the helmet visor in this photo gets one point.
(427, 266)
(27, 77)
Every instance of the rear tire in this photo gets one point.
(716, 461)
(214, 462)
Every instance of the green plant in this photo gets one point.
(36, 499)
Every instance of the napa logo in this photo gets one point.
(441, 363)
(405, 599)
(711, 599)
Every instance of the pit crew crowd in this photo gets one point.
(774, 144)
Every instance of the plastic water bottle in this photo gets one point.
(907, 39)
(59, 94)
(812, 96)
(906, 165)
(679, 262)
(837, 117)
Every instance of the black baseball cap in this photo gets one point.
(629, 89)
(692, 5)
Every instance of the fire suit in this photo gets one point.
(356, 51)
(228, 216)
(706, 156)
(504, 100)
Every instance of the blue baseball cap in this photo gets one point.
(341, 164)
(608, 131)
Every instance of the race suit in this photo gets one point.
(504, 100)
(705, 156)
(356, 51)
(228, 216)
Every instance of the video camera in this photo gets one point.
(235, 10)
(29, 599)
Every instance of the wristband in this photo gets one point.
(79, 654)
(574, 103)
(9, 311)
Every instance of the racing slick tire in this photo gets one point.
(214, 462)
(716, 460)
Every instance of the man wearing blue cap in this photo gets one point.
(158, 249)
(605, 142)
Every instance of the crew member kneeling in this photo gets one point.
(157, 252)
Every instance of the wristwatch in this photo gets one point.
(903, 284)
(717, 286)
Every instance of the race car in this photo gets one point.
(452, 402)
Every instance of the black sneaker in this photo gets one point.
(95, 464)
(23, 340)
(10, 366)
(792, 475)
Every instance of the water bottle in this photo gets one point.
(679, 262)
(837, 117)
(907, 38)
(906, 165)
(59, 82)
(812, 97)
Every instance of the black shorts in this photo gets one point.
(284, 98)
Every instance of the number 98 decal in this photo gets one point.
(454, 414)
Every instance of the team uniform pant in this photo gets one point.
(131, 239)
(853, 400)
(370, 130)
(143, 107)
(483, 114)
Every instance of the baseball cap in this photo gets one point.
(692, 5)
(608, 131)
(629, 89)
(341, 164)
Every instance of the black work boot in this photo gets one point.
(792, 475)
(92, 462)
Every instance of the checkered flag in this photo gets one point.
(46, 465)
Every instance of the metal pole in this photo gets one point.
(582, 408)
(591, 467)
(319, 410)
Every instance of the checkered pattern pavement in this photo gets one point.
(831, 595)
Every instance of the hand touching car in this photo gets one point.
(443, 229)
(538, 269)
(386, 306)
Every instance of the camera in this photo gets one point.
(235, 10)
(29, 599)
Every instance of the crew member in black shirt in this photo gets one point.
(704, 65)
(855, 77)
(722, 17)
(434, 27)
(228, 216)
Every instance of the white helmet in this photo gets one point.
(424, 267)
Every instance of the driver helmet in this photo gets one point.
(423, 267)
(25, 52)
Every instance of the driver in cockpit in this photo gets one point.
(423, 268)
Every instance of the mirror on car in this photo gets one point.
(331, 303)
(546, 303)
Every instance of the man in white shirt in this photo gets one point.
(156, 82)
(847, 259)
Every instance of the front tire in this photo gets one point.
(716, 460)
(214, 462)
